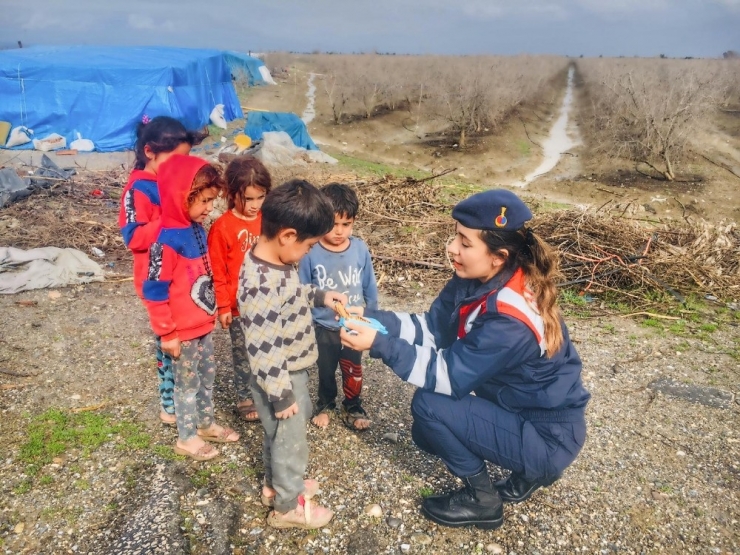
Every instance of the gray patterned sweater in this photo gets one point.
(275, 314)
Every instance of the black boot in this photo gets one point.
(477, 504)
(516, 489)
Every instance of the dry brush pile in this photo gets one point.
(407, 225)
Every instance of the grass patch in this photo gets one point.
(166, 453)
(425, 492)
(524, 147)
(55, 431)
(366, 168)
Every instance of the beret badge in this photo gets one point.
(501, 220)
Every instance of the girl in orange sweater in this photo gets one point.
(230, 237)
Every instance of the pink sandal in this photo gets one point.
(311, 489)
(306, 515)
(221, 436)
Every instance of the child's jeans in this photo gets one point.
(166, 379)
(284, 448)
(332, 354)
(194, 372)
(242, 373)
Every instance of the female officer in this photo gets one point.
(499, 379)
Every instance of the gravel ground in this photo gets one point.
(659, 473)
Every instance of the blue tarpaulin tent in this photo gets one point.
(103, 92)
(248, 68)
(259, 122)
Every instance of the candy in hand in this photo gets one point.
(345, 316)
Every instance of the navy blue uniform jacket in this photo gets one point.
(482, 338)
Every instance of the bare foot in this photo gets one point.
(321, 420)
(362, 423)
(247, 410)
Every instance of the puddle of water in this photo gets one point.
(558, 141)
(310, 112)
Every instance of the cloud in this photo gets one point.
(148, 23)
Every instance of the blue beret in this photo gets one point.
(498, 210)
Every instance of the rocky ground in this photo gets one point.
(659, 472)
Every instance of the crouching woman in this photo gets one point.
(498, 376)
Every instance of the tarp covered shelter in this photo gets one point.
(103, 92)
(248, 68)
(259, 122)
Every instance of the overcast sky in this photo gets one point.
(678, 28)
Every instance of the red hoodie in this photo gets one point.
(138, 219)
(178, 291)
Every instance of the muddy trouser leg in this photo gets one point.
(195, 372)
(350, 361)
(166, 379)
(285, 448)
(329, 348)
(242, 371)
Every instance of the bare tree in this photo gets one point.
(646, 110)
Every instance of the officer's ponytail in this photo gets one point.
(524, 249)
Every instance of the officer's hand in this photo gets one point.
(360, 338)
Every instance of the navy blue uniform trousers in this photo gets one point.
(467, 432)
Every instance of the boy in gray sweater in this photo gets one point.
(275, 316)
(340, 262)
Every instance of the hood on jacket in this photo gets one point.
(174, 180)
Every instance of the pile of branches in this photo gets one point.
(80, 212)
(407, 224)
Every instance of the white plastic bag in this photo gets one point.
(54, 141)
(217, 116)
(19, 136)
(82, 145)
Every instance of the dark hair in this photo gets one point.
(162, 134)
(540, 265)
(207, 177)
(343, 198)
(243, 172)
(298, 205)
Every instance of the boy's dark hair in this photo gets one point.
(243, 172)
(162, 134)
(343, 198)
(298, 205)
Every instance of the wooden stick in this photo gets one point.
(12, 385)
(719, 165)
(89, 408)
(652, 315)
(413, 262)
(17, 374)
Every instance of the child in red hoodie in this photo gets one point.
(229, 239)
(181, 301)
(138, 218)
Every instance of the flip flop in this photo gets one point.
(248, 413)
(219, 437)
(205, 452)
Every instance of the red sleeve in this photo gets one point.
(218, 250)
(156, 290)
